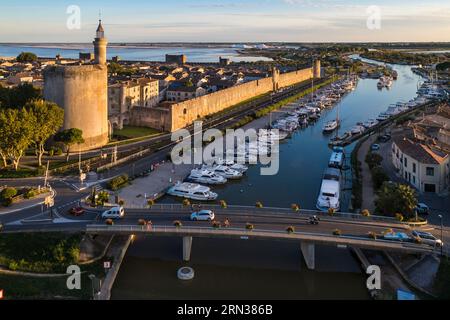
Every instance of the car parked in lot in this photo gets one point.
(384, 138)
(422, 208)
(77, 211)
(114, 213)
(427, 238)
(375, 147)
(203, 215)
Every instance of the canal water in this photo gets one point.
(272, 270)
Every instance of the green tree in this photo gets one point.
(26, 57)
(48, 118)
(16, 134)
(378, 177)
(373, 160)
(69, 137)
(114, 67)
(443, 66)
(18, 96)
(396, 198)
(102, 198)
(8, 193)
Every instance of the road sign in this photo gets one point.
(107, 264)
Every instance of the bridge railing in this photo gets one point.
(242, 232)
(266, 210)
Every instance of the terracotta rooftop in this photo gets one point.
(421, 152)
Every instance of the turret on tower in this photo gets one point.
(100, 44)
(82, 91)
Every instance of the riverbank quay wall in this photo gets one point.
(180, 115)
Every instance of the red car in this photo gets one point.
(77, 211)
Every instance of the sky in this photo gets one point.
(227, 20)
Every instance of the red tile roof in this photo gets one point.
(421, 152)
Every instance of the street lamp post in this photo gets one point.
(92, 277)
(442, 226)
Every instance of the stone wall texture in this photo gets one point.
(81, 90)
(182, 114)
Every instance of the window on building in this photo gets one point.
(430, 171)
(414, 168)
(406, 162)
(414, 179)
(429, 187)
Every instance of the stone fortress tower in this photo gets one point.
(100, 44)
(317, 69)
(82, 91)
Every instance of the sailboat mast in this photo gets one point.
(312, 81)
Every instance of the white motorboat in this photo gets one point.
(357, 129)
(385, 81)
(330, 126)
(206, 176)
(370, 123)
(231, 164)
(224, 171)
(337, 158)
(329, 195)
(383, 116)
(272, 135)
(192, 191)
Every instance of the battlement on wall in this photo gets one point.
(180, 115)
(184, 113)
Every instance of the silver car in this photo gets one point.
(203, 215)
(428, 238)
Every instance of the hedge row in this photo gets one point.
(118, 182)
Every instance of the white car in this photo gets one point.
(114, 213)
(203, 215)
(427, 238)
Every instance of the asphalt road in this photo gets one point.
(261, 221)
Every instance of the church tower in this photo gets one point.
(100, 44)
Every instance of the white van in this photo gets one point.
(114, 213)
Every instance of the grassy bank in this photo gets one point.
(20, 287)
(131, 132)
(19, 174)
(43, 254)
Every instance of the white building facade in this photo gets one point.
(421, 166)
